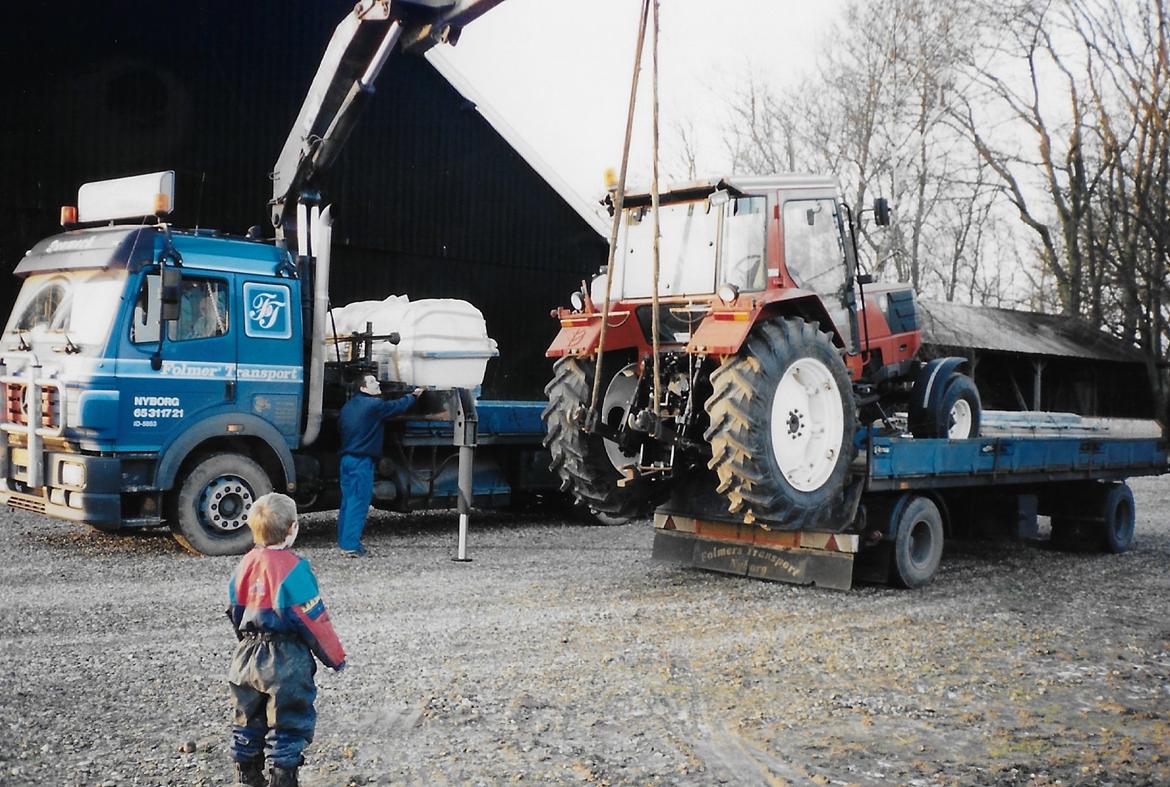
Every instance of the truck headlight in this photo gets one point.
(72, 474)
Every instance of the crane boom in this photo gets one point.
(360, 47)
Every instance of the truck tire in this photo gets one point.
(918, 543)
(782, 429)
(1119, 519)
(955, 415)
(584, 463)
(210, 507)
(1104, 521)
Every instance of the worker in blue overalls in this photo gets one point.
(361, 427)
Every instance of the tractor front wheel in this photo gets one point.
(783, 420)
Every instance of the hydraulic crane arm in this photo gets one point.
(360, 47)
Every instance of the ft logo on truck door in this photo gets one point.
(268, 315)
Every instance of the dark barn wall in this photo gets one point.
(429, 200)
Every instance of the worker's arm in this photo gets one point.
(395, 407)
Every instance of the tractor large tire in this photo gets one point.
(580, 460)
(209, 511)
(783, 421)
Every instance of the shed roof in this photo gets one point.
(1027, 333)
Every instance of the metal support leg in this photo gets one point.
(466, 426)
(466, 461)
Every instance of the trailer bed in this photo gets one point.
(1013, 478)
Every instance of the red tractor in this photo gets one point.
(772, 348)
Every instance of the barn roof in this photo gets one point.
(1027, 333)
(592, 213)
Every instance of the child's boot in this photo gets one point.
(283, 777)
(251, 773)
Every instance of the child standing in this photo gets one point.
(281, 623)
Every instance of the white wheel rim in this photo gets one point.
(807, 424)
(960, 419)
(616, 404)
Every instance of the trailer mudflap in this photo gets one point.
(797, 557)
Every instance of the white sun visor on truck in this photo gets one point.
(152, 194)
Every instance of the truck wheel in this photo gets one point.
(782, 425)
(210, 510)
(589, 465)
(955, 415)
(918, 543)
(1118, 526)
(1102, 521)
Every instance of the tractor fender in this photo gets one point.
(724, 337)
(243, 426)
(930, 384)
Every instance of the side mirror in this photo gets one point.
(172, 278)
(881, 211)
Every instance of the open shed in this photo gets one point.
(1031, 361)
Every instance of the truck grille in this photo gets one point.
(27, 503)
(16, 411)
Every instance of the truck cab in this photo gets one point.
(131, 352)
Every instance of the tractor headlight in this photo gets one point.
(577, 300)
(728, 293)
(72, 474)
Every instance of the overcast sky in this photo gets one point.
(559, 70)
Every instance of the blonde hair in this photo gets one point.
(271, 517)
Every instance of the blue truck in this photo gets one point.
(155, 376)
(121, 415)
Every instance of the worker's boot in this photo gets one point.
(251, 773)
(283, 777)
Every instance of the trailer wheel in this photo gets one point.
(783, 420)
(1118, 526)
(210, 508)
(589, 465)
(918, 543)
(1103, 521)
(955, 415)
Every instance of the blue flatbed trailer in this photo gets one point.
(908, 494)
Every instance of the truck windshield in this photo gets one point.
(79, 305)
(700, 248)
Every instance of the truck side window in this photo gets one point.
(812, 245)
(203, 310)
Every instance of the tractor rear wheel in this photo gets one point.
(783, 420)
(588, 465)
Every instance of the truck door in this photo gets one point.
(270, 369)
(198, 370)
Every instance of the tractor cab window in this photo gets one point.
(812, 245)
(203, 310)
(744, 250)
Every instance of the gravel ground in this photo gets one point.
(564, 654)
